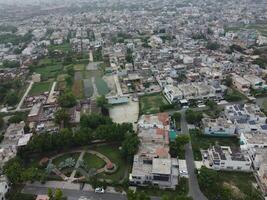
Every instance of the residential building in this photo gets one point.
(255, 81)
(219, 127)
(153, 164)
(241, 84)
(227, 158)
(4, 187)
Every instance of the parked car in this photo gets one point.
(99, 190)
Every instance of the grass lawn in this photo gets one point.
(233, 94)
(61, 77)
(239, 185)
(93, 161)
(113, 153)
(45, 61)
(204, 142)
(39, 88)
(264, 106)
(49, 71)
(63, 157)
(102, 86)
(77, 89)
(262, 28)
(63, 47)
(151, 103)
(182, 189)
(79, 67)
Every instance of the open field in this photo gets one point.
(204, 142)
(49, 71)
(77, 89)
(151, 103)
(88, 88)
(79, 67)
(63, 47)
(39, 88)
(182, 189)
(262, 28)
(231, 185)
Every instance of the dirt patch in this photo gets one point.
(235, 190)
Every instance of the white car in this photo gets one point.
(99, 190)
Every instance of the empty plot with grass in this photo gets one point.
(39, 88)
(102, 86)
(79, 67)
(77, 89)
(48, 71)
(151, 103)
(200, 141)
(88, 88)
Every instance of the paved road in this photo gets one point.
(194, 190)
(76, 194)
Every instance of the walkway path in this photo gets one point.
(72, 176)
(24, 96)
(95, 94)
(91, 57)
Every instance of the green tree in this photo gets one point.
(13, 170)
(67, 100)
(58, 195)
(2, 122)
(17, 118)
(165, 197)
(130, 145)
(49, 193)
(193, 117)
(102, 101)
(176, 116)
(212, 45)
(62, 117)
(228, 81)
(12, 98)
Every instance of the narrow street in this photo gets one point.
(194, 190)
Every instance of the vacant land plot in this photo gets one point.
(62, 77)
(88, 88)
(151, 103)
(102, 86)
(79, 67)
(238, 185)
(78, 76)
(200, 141)
(77, 89)
(125, 112)
(49, 71)
(262, 28)
(63, 47)
(39, 88)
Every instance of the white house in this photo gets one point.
(3, 187)
(226, 158)
(219, 127)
